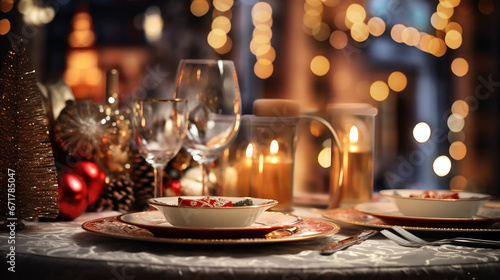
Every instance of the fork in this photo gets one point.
(410, 240)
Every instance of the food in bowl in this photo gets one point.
(436, 203)
(211, 212)
(213, 202)
(436, 195)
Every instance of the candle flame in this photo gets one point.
(274, 147)
(353, 134)
(249, 151)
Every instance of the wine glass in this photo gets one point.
(214, 105)
(160, 127)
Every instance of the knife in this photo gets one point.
(342, 244)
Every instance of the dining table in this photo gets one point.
(74, 250)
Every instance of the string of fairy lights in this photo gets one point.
(355, 24)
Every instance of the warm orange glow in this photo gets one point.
(216, 38)
(454, 26)
(223, 23)
(263, 68)
(453, 39)
(379, 90)
(338, 39)
(261, 12)
(266, 52)
(445, 9)
(4, 26)
(410, 36)
(320, 65)
(396, 32)
(460, 107)
(359, 31)
(321, 32)
(438, 21)
(376, 26)
(460, 67)
(6, 5)
(355, 13)
(199, 7)
(458, 150)
(397, 81)
(458, 183)
(223, 5)
(226, 47)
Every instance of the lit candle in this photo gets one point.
(244, 168)
(353, 139)
(274, 178)
(357, 168)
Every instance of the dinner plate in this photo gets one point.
(389, 213)
(355, 217)
(113, 227)
(155, 222)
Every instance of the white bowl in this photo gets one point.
(466, 206)
(211, 217)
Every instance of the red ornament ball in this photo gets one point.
(72, 196)
(174, 186)
(94, 177)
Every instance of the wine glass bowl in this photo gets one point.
(214, 105)
(160, 127)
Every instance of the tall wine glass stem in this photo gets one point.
(158, 187)
(205, 177)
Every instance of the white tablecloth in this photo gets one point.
(63, 250)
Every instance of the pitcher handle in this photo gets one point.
(335, 194)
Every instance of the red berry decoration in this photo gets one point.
(94, 177)
(72, 196)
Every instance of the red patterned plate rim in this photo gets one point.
(113, 227)
(355, 217)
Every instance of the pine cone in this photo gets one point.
(119, 195)
(142, 174)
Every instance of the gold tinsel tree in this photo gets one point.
(26, 158)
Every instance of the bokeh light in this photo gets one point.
(442, 166)
(199, 8)
(458, 150)
(397, 81)
(460, 107)
(355, 13)
(458, 183)
(421, 132)
(325, 157)
(4, 26)
(379, 90)
(338, 39)
(459, 67)
(320, 65)
(455, 122)
(376, 26)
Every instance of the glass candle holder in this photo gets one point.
(355, 125)
(260, 163)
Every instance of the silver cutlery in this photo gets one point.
(410, 240)
(342, 244)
